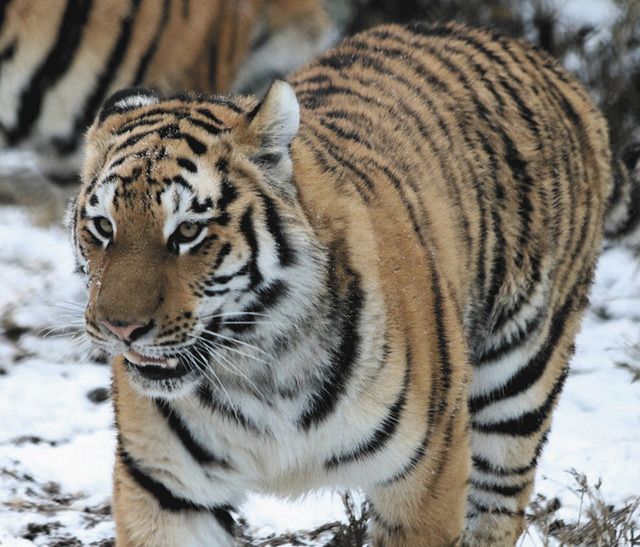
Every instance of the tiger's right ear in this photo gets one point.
(127, 99)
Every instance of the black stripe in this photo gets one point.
(224, 279)
(389, 528)
(209, 128)
(215, 292)
(214, 50)
(286, 254)
(228, 193)
(103, 83)
(197, 451)
(425, 98)
(142, 121)
(204, 112)
(522, 335)
(197, 146)
(117, 103)
(248, 231)
(529, 422)
(396, 182)
(504, 314)
(441, 335)
(328, 165)
(385, 429)
(187, 164)
(526, 376)
(233, 414)
(222, 254)
(266, 297)
(170, 502)
(503, 490)
(54, 66)
(484, 465)
(440, 378)
(3, 9)
(145, 60)
(198, 206)
(347, 307)
(363, 183)
(479, 508)
(8, 52)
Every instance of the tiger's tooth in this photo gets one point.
(172, 362)
(132, 358)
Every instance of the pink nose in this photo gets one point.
(123, 332)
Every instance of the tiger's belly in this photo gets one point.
(266, 450)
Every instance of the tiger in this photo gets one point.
(370, 278)
(59, 60)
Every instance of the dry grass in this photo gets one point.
(598, 524)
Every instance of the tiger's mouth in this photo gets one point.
(145, 360)
(155, 368)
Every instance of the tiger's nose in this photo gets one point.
(127, 332)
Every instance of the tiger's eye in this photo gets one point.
(104, 226)
(188, 230)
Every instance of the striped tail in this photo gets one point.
(622, 220)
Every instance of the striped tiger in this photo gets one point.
(60, 59)
(372, 278)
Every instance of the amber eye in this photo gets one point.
(103, 226)
(186, 232)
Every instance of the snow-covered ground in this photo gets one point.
(56, 423)
(56, 429)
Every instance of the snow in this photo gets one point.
(597, 13)
(56, 445)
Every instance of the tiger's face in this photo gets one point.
(189, 234)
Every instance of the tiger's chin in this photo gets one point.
(168, 378)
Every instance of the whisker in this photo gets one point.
(226, 314)
(275, 323)
(208, 368)
(235, 340)
(236, 350)
(234, 369)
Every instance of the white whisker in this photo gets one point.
(235, 340)
(232, 368)
(207, 368)
(236, 350)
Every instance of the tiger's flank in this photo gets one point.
(372, 278)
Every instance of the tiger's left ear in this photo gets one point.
(275, 120)
(270, 128)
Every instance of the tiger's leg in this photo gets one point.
(515, 387)
(162, 495)
(141, 521)
(424, 503)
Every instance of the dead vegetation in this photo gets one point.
(598, 523)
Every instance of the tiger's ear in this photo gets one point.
(127, 99)
(275, 120)
(268, 131)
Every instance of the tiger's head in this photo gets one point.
(189, 234)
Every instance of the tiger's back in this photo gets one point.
(483, 160)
